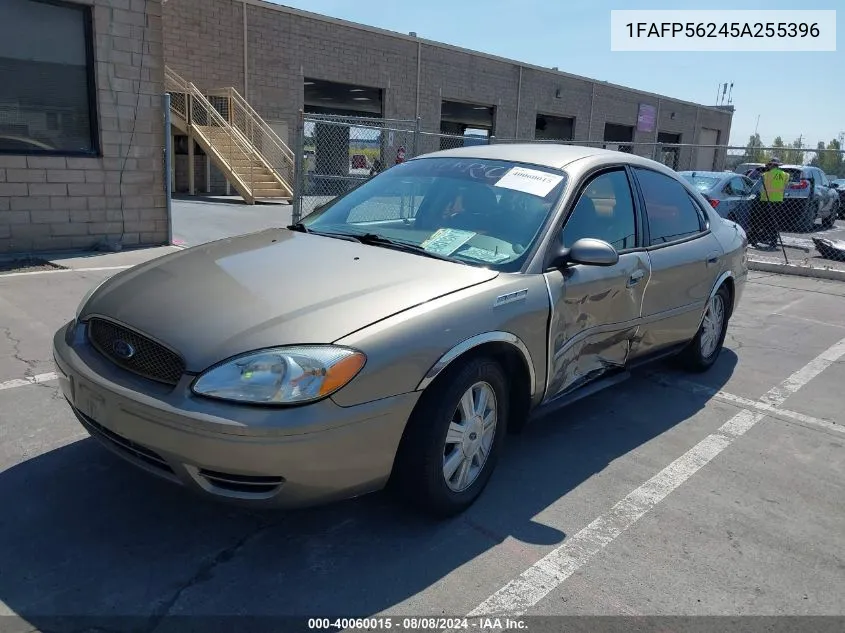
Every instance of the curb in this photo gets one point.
(798, 271)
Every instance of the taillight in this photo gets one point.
(800, 185)
(713, 203)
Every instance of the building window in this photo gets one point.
(47, 94)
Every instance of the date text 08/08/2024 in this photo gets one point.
(713, 30)
(418, 624)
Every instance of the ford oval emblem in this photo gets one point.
(123, 349)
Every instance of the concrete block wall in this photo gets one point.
(204, 40)
(54, 202)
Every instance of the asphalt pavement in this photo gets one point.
(669, 495)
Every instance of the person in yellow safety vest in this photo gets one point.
(766, 212)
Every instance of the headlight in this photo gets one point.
(282, 375)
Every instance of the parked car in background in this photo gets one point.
(409, 345)
(839, 185)
(744, 168)
(809, 197)
(730, 194)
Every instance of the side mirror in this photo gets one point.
(834, 185)
(587, 251)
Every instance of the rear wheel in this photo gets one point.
(453, 439)
(830, 221)
(705, 348)
(807, 219)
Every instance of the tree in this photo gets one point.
(830, 162)
(753, 151)
(792, 156)
(817, 159)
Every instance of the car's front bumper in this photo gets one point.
(288, 457)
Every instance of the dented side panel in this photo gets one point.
(595, 317)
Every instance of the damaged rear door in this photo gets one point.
(596, 309)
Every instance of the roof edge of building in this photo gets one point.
(264, 4)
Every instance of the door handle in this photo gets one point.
(634, 279)
(712, 258)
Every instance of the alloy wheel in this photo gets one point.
(712, 327)
(470, 436)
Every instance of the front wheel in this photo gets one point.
(453, 439)
(704, 349)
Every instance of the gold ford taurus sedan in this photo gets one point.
(397, 334)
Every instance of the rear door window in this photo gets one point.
(672, 213)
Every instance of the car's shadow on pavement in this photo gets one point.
(84, 534)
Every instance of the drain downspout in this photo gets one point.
(246, 59)
(518, 103)
(419, 69)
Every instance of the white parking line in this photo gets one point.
(31, 380)
(64, 270)
(548, 573)
(697, 388)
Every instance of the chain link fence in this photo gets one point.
(801, 228)
(335, 154)
(791, 218)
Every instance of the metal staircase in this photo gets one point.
(241, 144)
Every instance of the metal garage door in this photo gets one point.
(705, 157)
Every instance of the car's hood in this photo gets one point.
(276, 287)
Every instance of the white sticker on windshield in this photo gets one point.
(537, 183)
(447, 241)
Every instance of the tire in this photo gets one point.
(419, 472)
(830, 221)
(807, 220)
(703, 350)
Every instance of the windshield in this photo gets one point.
(479, 212)
(794, 174)
(702, 183)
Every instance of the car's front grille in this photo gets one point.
(124, 445)
(250, 484)
(134, 352)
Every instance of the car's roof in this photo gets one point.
(795, 166)
(551, 155)
(709, 174)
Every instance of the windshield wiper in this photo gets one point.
(301, 228)
(373, 239)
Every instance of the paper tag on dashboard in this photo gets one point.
(447, 241)
(537, 183)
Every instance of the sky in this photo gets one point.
(807, 101)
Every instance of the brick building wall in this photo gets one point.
(59, 202)
(204, 42)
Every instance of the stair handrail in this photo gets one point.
(280, 157)
(178, 89)
(264, 139)
(264, 125)
(221, 123)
